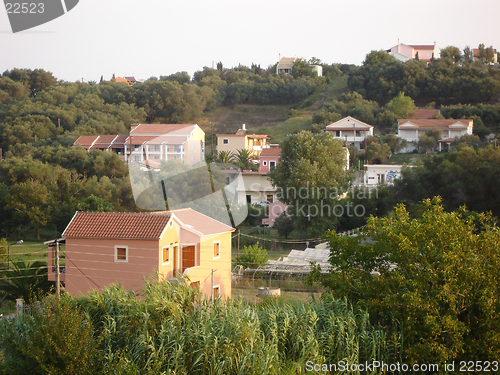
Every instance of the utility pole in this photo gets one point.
(58, 286)
(212, 283)
(239, 242)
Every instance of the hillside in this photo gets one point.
(274, 120)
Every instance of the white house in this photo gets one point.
(449, 129)
(381, 174)
(185, 142)
(351, 130)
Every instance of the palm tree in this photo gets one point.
(25, 280)
(244, 158)
(224, 157)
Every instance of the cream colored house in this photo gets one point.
(184, 142)
(254, 143)
(449, 129)
(351, 131)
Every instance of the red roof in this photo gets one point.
(272, 151)
(424, 113)
(138, 225)
(86, 140)
(120, 225)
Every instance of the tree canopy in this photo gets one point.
(436, 277)
(310, 176)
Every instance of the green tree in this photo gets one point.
(482, 53)
(468, 55)
(284, 224)
(310, 177)
(301, 68)
(252, 256)
(29, 202)
(489, 54)
(394, 142)
(401, 105)
(427, 142)
(377, 57)
(452, 53)
(377, 153)
(436, 277)
(57, 339)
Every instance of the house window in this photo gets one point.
(121, 253)
(166, 255)
(270, 198)
(337, 133)
(216, 250)
(216, 292)
(272, 164)
(225, 141)
(358, 133)
(137, 157)
(264, 163)
(156, 148)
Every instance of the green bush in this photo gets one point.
(252, 256)
(55, 339)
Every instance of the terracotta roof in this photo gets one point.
(160, 129)
(424, 113)
(121, 225)
(199, 222)
(105, 139)
(120, 140)
(433, 123)
(86, 140)
(272, 151)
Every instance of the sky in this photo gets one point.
(149, 38)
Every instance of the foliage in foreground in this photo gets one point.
(170, 329)
(437, 276)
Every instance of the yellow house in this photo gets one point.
(254, 143)
(125, 247)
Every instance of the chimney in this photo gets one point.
(243, 127)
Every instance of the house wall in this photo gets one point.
(235, 142)
(381, 173)
(194, 148)
(90, 263)
(221, 267)
(258, 186)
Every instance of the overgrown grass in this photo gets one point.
(170, 329)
